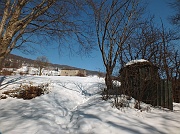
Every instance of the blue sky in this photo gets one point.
(159, 8)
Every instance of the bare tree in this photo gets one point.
(175, 19)
(114, 21)
(27, 22)
(158, 45)
(142, 44)
(153, 43)
(41, 62)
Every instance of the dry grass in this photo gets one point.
(27, 92)
(6, 72)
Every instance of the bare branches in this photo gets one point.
(48, 19)
(175, 19)
(42, 62)
(115, 21)
(5, 17)
(14, 23)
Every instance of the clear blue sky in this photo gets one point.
(159, 8)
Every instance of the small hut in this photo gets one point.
(140, 79)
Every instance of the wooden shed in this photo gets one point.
(140, 79)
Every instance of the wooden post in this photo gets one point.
(166, 93)
(170, 100)
(162, 93)
(158, 88)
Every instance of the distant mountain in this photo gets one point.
(15, 61)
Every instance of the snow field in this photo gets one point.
(74, 106)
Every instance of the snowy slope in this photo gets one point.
(74, 106)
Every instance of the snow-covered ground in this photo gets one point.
(74, 106)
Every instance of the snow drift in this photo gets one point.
(74, 106)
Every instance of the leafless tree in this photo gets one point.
(114, 21)
(175, 19)
(27, 22)
(155, 44)
(142, 42)
(158, 45)
(41, 63)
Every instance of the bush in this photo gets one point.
(6, 72)
(121, 101)
(3, 97)
(23, 73)
(125, 101)
(27, 92)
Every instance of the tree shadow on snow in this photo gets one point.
(42, 112)
(2, 78)
(83, 89)
(13, 80)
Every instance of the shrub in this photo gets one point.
(23, 73)
(3, 97)
(121, 101)
(27, 92)
(6, 72)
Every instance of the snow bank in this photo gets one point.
(74, 107)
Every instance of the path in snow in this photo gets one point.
(57, 109)
(73, 106)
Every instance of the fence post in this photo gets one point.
(166, 88)
(158, 88)
(162, 93)
(170, 96)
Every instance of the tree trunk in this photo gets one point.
(1, 61)
(2, 58)
(108, 81)
(4, 51)
(40, 71)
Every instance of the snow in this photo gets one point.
(35, 71)
(74, 106)
(135, 61)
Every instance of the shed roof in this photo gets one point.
(138, 63)
(135, 61)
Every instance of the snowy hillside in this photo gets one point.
(74, 106)
(28, 66)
